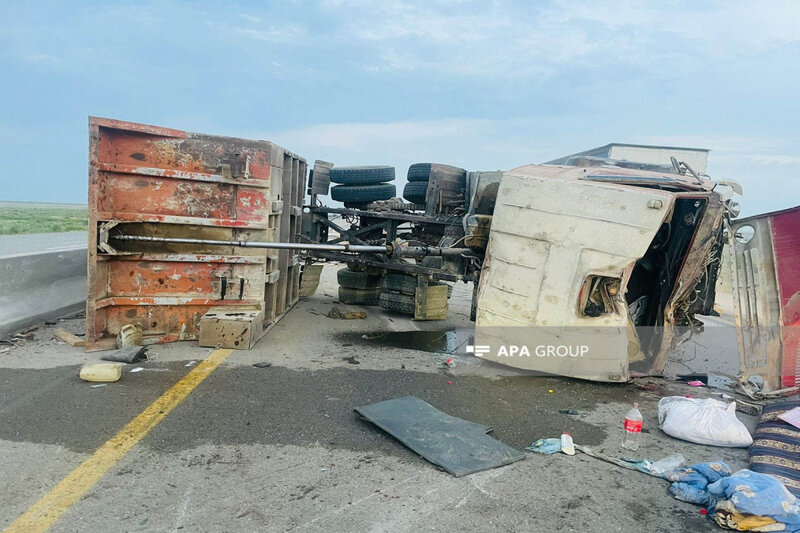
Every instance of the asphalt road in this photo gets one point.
(41, 242)
(280, 448)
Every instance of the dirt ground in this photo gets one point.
(280, 448)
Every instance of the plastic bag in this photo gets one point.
(545, 446)
(706, 421)
(668, 464)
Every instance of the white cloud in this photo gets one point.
(764, 166)
(776, 159)
(475, 144)
(271, 34)
(718, 143)
(758, 163)
(511, 40)
(357, 136)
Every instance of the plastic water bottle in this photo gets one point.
(567, 446)
(633, 428)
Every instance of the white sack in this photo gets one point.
(703, 421)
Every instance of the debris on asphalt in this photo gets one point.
(689, 484)
(640, 465)
(716, 381)
(98, 386)
(568, 411)
(633, 428)
(450, 362)
(549, 446)
(5, 350)
(668, 464)
(236, 328)
(567, 446)
(262, 364)
(352, 360)
(747, 408)
(337, 314)
(545, 446)
(652, 385)
(696, 383)
(744, 500)
(70, 338)
(129, 335)
(753, 388)
(128, 355)
(137, 369)
(27, 335)
(707, 421)
(101, 372)
(191, 363)
(459, 446)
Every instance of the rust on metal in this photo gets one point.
(149, 180)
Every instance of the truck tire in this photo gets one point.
(401, 283)
(419, 172)
(362, 193)
(356, 266)
(415, 191)
(361, 175)
(423, 171)
(402, 303)
(359, 296)
(357, 280)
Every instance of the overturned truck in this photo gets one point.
(593, 272)
(593, 269)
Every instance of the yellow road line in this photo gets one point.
(43, 514)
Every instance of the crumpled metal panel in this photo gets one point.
(786, 244)
(547, 236)
(551, 230)
(766, 252)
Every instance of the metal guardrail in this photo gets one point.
(40, 286)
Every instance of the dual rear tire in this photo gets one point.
(362, 185)
(359, 286)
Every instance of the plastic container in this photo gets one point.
(129, 335)
(633, 428)
(668, 464)
(567, 446)
(101, 372)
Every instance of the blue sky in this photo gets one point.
(482, 85)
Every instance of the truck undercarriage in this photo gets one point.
(554, 252)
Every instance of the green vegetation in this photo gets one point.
(41, 218)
